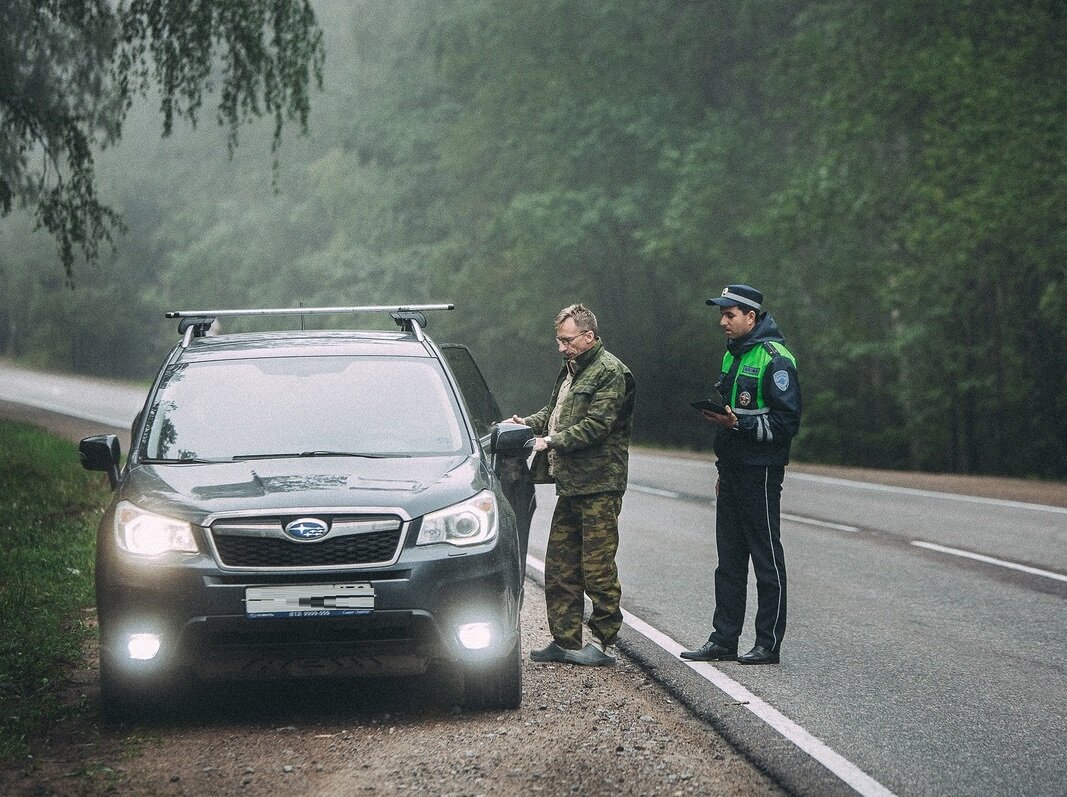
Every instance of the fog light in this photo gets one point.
(142, 646)
(475, 636)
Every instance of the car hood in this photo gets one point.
(414, 485)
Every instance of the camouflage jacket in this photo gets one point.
(592, 438)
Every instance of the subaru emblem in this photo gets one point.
(306, 529)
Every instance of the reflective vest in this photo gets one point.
(763, 390)
(746, 397)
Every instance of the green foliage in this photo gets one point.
(71, 69)
(945, 161)
(893, 177)
(49, 507)
(53, 107)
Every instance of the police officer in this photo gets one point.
(758, 382)
(582, 445)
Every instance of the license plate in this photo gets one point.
(309, 600)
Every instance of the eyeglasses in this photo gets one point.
(567, 341)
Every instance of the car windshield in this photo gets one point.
(303, 406)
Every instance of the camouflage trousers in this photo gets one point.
(580, 561)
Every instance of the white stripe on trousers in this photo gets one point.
(774, 558)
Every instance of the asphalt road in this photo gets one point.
(935, 671)
(932, 672)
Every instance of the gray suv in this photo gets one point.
(313, 503)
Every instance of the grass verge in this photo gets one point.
(49, 508)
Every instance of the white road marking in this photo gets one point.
(990, 560)
(885, 488)
(807, 521)
(639, 488)
(844, 769)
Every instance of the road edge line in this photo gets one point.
(850, 774)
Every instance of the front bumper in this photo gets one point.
(199, 614)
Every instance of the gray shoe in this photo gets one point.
(551, 653)
(589, 656)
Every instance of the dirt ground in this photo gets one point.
(590, 731)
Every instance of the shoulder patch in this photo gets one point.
(781, 380)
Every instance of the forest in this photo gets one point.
(891, 174)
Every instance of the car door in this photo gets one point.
(514, 472)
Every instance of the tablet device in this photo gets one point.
(713, 404)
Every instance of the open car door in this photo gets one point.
(514, 472)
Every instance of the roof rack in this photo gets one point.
(410, 317)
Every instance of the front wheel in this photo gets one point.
(497, 685)
(125, 699)
(120, 701)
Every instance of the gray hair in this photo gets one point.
(581, 315)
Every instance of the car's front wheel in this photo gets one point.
(119, 700)
(126, 699)
(497, 685)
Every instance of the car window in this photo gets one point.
(480, 401)
(299, 405)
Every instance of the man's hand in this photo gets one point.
(540, 444)
(517, 419)
(727, 419)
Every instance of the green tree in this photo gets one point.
(922, 193)
(70, 70)
(891, 174)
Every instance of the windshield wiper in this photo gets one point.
(294, 455)
(180, 461)
(364, 455)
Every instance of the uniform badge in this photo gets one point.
(781, 379)
(744, 399)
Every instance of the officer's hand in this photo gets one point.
(540, 444)
(517, 419)
(727, 419)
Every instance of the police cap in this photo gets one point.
(739, 296)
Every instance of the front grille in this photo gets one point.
(263, 544)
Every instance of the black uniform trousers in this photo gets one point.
(748, 526)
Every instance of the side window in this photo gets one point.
(483, 407)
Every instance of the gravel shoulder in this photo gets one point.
(608, 730)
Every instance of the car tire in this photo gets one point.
(123, 701)
(118, 700)
(496, 686)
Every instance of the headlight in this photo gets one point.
(468, 523)
(147, 534)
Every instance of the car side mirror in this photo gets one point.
(102, 452)
(511, 439)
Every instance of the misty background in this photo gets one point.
(892, 175)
